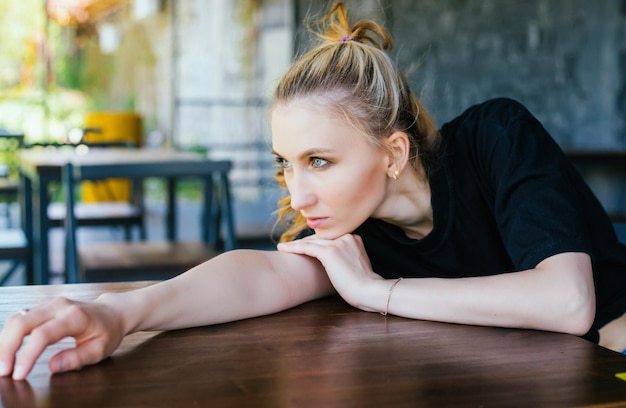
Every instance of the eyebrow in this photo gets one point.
(307, 153)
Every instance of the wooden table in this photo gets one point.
(41, 167)
(323, 354)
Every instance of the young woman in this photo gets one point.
(483, 222)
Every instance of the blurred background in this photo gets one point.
(199, 74)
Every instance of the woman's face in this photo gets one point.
(335, 177)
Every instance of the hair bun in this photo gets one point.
(335, 27)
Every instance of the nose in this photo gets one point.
(302, 195)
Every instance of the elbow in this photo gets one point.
(582, 322)
(581, 312)
(571, 289)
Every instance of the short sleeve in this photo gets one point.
(536, 198)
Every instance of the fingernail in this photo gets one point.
(58, 366)
(4, 369)
(19, 372)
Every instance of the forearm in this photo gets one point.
(557, 300)
(233, 286)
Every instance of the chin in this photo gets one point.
(329, 234)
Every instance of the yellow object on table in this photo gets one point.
(114, 127)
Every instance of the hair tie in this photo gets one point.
(349, 38)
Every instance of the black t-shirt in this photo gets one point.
(504, 198)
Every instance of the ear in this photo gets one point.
(398, 146)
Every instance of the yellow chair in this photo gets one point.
(113, 127)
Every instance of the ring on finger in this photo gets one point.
(22, 312)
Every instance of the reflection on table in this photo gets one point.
(323, 354)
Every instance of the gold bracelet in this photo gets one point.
(393, 285)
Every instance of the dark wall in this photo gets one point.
(564, 59)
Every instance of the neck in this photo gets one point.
(408, 204)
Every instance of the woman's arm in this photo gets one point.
(235, 285)
(557, 295)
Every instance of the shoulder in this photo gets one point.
(491, 114)
(495, 127)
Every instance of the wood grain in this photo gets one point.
(324, 354)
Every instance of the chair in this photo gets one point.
(13, 243)
(119, 261)
(13, 247)
(107, 212)
(10, 144)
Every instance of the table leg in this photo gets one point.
(171, 210)
(207, 206)
(213, 211)
(40, 230)
(227, 212)
(26, 213)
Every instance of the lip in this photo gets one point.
(315, 222)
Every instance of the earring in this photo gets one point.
(395, 175)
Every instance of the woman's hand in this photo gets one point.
(346, 264)
(96, 327)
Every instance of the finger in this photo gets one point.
(308, 241)
(15, 329)
(90, 352)
(30, 352)
(310, 247)
(313, 239)
(307, 238)
(41, 337)
(322, 251)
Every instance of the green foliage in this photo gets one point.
(40, 85)
(43, 115)
(22, 25)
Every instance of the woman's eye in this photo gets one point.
(282, 163)
(317, 162)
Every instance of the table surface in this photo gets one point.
(322, 354)
(41, 160)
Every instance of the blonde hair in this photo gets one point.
(349, 73)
